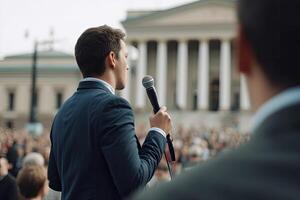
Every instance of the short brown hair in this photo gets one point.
(31, 179)
(94, 45)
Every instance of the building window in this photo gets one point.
(59, 99)
(11, 101)
(9, 124)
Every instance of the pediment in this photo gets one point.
(197, 13)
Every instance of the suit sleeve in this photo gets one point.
(53, 175)
(129, 167)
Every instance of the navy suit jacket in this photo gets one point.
(95, 153)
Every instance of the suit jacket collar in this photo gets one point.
(280, 122)
(282, 100)
(92, 85)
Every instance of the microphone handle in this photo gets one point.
(154, 102)
(153, 99)
(171, 148)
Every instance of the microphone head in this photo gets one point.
(148, 82)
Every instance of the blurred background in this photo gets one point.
(187, 46)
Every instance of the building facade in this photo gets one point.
(57, 79)
(189, 50)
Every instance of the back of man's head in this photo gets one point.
(272, 28)
(32, 181)
(94, 45)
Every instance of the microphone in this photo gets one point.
(148, 83)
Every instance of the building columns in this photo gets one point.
(161, 71)
(225, 75)
(244, 94)
(182, 73)
(141, 68)
(203, 75)
(2, 99)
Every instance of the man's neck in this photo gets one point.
(261, 90)
(262, 96)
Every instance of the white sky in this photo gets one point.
(68, 19)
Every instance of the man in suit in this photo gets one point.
(8, 184)
(267, 167)
(95, 153)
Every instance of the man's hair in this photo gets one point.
(31, 179)
(272, 28)
(94, 45)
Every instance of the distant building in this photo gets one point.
(190, 52)
(188, 49)
(58, 76)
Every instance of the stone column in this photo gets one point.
(225, 75)
(161, 72)
(141, 68)
(203, 75)
(2, 99)
(244, 94)
(182, 74)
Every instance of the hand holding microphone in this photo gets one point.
(148, 83)
(162, 120)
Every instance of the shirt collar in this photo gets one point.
(107, 85)
(282, 100)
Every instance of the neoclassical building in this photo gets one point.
(189, 50)
(57, 79)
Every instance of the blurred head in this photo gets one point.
(4, 166)
(34, 158)
(100, 49)
(268, 42)
(32, 181)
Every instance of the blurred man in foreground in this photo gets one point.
(267, 167)
(95, 153)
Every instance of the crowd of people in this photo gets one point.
(265, 168)
(23, 165)
(192, 145)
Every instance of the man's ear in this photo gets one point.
(111, 59)
(245, 57)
